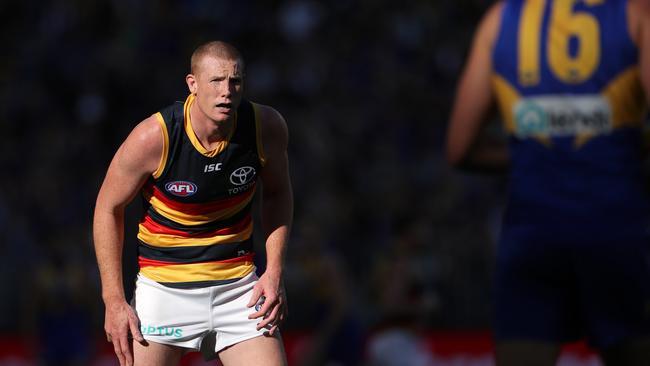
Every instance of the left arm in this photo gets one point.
(639, 16)
(467, 146)
(277, 216)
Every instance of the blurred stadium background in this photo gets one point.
(390, 260)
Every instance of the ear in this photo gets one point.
(190, 79)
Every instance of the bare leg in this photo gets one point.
(263, 351)
(529, 353)
(156, 354)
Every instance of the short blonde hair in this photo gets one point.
(218, 49)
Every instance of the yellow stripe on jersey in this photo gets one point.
(210, 271)
(507, 96)
(258, 134)
(626, 98)
(163, 158)
(187, 219)
(567, 24)
(170, 240)
(582, 139)
(195, 140)
(529, 42)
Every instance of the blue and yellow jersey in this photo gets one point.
(196, 230)
(566, 77)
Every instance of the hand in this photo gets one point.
(119, 322)
(270, 292)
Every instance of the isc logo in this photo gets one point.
(181, 188)
(212, 168)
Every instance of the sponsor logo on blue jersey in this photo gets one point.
(560, 116)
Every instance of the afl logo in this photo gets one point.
(242, 175)
(181, 188)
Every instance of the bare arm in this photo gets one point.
(474, 98)
(277, 205)
(277, 215)
(134, 161)
(639, 23)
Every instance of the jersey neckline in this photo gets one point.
(189, 131)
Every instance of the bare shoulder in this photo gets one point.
(144, 145)
(493, 14)
(488, 28)
(638, 7)
(273, 125)
(147, 131)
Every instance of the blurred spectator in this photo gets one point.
(62, 306)
(329, 310)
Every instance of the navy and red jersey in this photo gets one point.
(197, 228)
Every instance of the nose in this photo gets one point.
(226, 88)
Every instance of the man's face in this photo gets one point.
(217, 84)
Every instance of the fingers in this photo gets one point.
(255, 297)
(122, 350)
(270, 302)
(126, 351)
(273, 329)
(134, 326)
(122, 347)
(266, 304)
(282, 315)
(275, 319)
(121, 323)
(118, 353)
(273, 314)
(269, 319)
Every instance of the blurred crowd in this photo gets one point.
(386, 235)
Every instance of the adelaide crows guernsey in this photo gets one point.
(196, 230)
(566, 76)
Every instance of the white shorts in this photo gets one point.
(185, 317)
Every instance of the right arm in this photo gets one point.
(474, 99)
(639, 23)
(136, 159)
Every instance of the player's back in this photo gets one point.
(567, 81)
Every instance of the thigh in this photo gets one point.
(262, 350)
(156, 354)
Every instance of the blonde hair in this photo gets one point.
(218, 49)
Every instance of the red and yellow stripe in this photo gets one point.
(196, 214)
(168, 272)
(223, 236)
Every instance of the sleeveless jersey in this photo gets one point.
(196, 230)
(566, 77)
